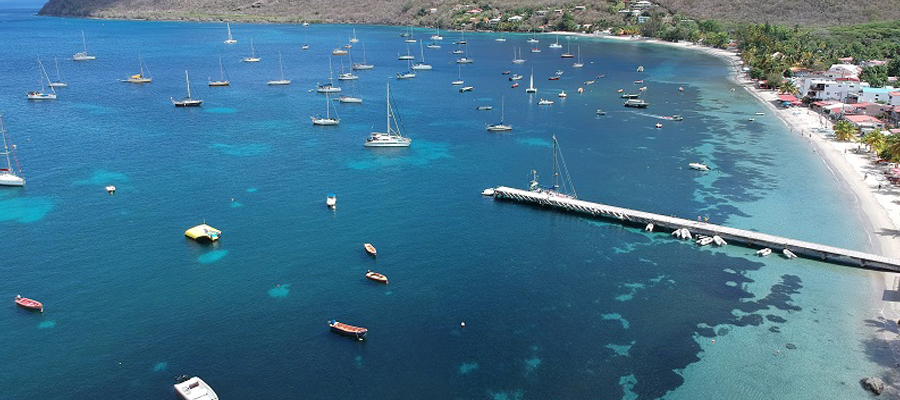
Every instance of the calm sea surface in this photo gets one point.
(556, 306)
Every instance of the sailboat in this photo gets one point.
(352, 99)
(8, 177)
(223, 80)
(253, 57)
(500, 38)
(517, 58)
(329, 87)
(392, 136)
(422, 65)
(406, 56)
(556, 45)
(437, 35)
(409, 37)
(364, 64)
(580, 62)
(408, 74)
(83, 56)
(462, 38)
(339, 52)
(187, 101)
(327, 121)
(568, 53)
(465, 59)
(282, 81)
(140, 77)
(353, 38)
(458, 80)
(500, 127)
(58, 82)
(533, 39)
(41, 95)
(531, 88)
(230, 39)
(562, 184)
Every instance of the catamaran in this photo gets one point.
(562, 185)
(187, 101)
(579, 63)
(327, 121)
(140, 77)
(364, 64)
(8, 176)
(253, 57)
(458, 80)
(41, 95)
(83, 56)
(230, 39)
(58, 82)
(392, 136)
(282, 81)
(556, 45)
(531, 88)
(329, 87)
(422, 65)
(517, 58)
(501, 126)
(223, 80)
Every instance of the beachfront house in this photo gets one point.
(818, 88)
(865, 123)
(878, 95)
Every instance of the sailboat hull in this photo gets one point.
(7, 179)
(41, 96)
(279, 82)
(187, 103)
(230, 41)
(251, 59)
(59, 84)
(219, 83)
(362, 66)
(325, 121)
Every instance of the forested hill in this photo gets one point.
(454, 14)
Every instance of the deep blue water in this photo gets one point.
(555, 305)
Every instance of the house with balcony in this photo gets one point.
(865, 123)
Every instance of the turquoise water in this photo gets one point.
(555, 305)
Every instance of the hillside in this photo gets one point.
(447, 13)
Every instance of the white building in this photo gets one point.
(641, 5)
(885, 95)
(820, 88)
(843, 71)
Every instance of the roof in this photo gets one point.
(860, 119)
(787, 97)
(824, 103)
(881, 90)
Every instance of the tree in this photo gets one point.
(891, 149)
(876, 76)
(893, 66)
(787, 86)
(874, 140)
(844, 131)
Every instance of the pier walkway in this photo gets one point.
(661, 222)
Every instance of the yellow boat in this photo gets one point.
(203, 232)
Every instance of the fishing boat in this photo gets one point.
(343, 329)
(327, 121)
(517, 58)
(8, 175)
(562, 181)
(579, 63)
(391, 137)
(363, 65)
(41, 94)
(377, 277)
(353, 38)
(636, 103)
(329, 87)
(140, 77)
(501, 126)
(253, 57)
(282, 81)
(230, 39)
(194, 389)
(223, 80)
(202, 233)
(58, 82)
(545, 102)
(187, 101)
(459, 80)
(555, 45)
(83, 56)
(568, 53)
(29, 304)
(531, 88)
(331, 201)
(370, 249)
(422, 65)
(699, 166)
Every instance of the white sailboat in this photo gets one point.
(465, 59)
(58, 82)
(406, 56)
(531, 88)
(409, 74)
(223, 80)
(532, 39)
(422, 65)
(347, 76)
(563, 186)
(83, 56)
(253, 57)
(187, 101)
(8, 176)
(230, 39)
(140, 77)
(437, 35)
(392, 136)
(409, 37)
(458, 80)
(282, 81)
(41, 94)
(353, 38)
(517, 58)
(327, 121)
(579, 63)
(329, 87)
(363, 65)
(351, 99)
(501, 126)
(556, 45)
(568, 53)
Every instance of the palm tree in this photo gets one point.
(844, 131)
(787, 86)
(891, 149)
(874, 140)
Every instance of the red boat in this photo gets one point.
(370, 249)
(553, 78)
(29, 304)
(348, 330)
(515, 85)
(376, 277)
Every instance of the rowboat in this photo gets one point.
(370, 249)
(376, 277)
(29, 304)
(348, 330)
(194, 389)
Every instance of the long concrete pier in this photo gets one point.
(661, 222)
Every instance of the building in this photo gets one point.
(865, 123)
(885, 95)
(823, 88)
(641, 5)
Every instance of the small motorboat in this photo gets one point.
(620, 90)
(639, 82)
(377, 277)
(347, 330)
(629, 96)
(760, 113)
(485, 108)
(636, 103)
(515, 77)
(590, 82)
(680, 89)
(194, 389)
(553, 78)
(764, 252)
(705, 241)
(640, 68)
(465, 89)
(535, 50)
(370, 249)
(699, 166)
(658, 125)
(788, 254)
(505, 73)
(562, 94)
(487, 192)
(545, 102)
(675, 117)
(111, 189)
(29, 304)
(601, 112)
(580, 90)
(331, 201)
(515, 85)
(304, 47)
(559, 72)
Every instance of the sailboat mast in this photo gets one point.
(187, 81)
(229, 30)
(141, 65)
(84, 42)
(555, 165)
(58, 76)
(327, 105)
(388, 108)
(280, 62)
(5, 146)
(221, 70)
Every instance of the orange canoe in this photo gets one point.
(376, 277)
(370, 249)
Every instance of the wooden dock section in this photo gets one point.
(670, 224)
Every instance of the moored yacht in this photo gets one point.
(8, 176)
(223, 80)
(636, 103)
(253, 57)
(501, 126)
(363, 65)
(282, 81)
(41, 94)
(328, 120)
(187, 101)
(83, 56)
(230, 39)
(140, 77)
(392, 136)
